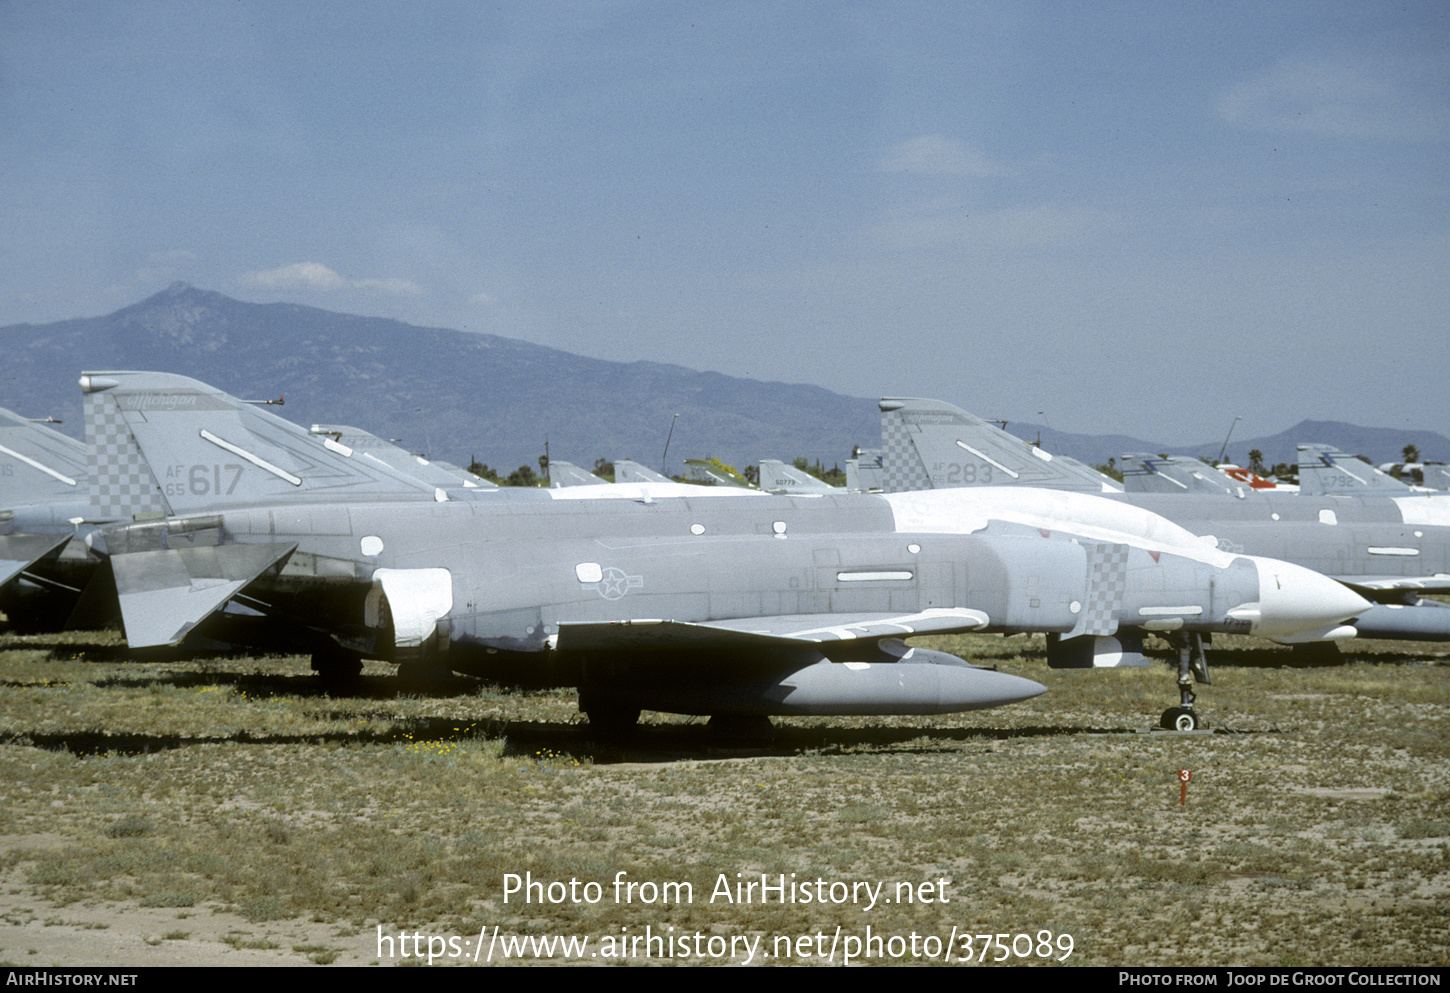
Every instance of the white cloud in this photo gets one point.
(483, 299)
(299, 275)
(318, 277)
(935, 155)
(1351, 97)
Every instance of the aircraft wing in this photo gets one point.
(821, 631)
(1371, 585)
(809, 664)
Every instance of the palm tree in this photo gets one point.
(1256, 461)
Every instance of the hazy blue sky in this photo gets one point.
(1146, 217)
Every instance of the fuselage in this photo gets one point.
(510, 575)
(1341, 536)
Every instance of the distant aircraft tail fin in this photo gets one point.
(1435, 475)
(863, 473)
(164, 444)
(1143, 473)
(429, 472)
(38, 464)
(777, 477)
(1324, 469)
(568, 474)
(629, 471)
(715, 473)
(929, 444)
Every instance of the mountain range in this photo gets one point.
(462, 396)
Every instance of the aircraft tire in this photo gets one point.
(1180, 719)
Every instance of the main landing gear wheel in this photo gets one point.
(1181, 719)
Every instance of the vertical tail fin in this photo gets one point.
(38, 464)
(122, 484)
(563, 474)
(1153, 474)
(715, 472)
(863, 473)
(428, 471)
(629, 471)
(929, 444)
(166, 444)
(777, 477)
(1324, 469)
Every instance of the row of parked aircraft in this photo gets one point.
(191, 513)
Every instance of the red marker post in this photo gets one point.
(1184, 775)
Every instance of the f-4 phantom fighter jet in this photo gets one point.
(728, 604)
(1389, 549)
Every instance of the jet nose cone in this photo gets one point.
(1294, 600)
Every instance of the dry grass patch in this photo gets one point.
(237, 790)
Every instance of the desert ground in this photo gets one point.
(203, 810)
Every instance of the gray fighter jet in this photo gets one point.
(1390, 549)
(729, 603)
